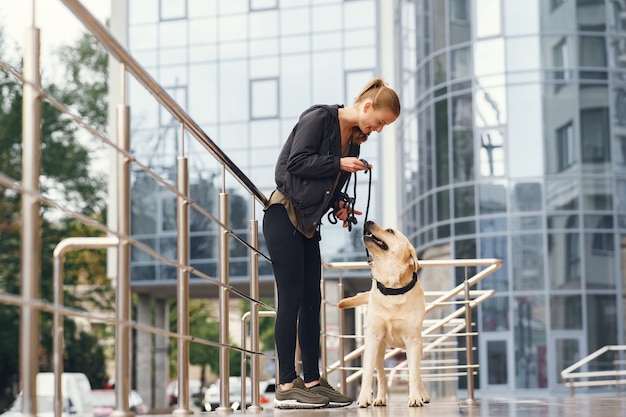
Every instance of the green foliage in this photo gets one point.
(67, 171)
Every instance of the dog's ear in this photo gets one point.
(414, 261)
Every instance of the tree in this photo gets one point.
(66, 170)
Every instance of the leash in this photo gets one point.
(349, 203)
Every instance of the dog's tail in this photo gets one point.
(358, 300)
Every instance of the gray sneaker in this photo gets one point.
(335, 398)
(298, 397)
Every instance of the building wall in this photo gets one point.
(514, 150)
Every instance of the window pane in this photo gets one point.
(566, 312)
(496, 247)
(264, 98)
(492, 153)
(599, 260)
(528, 262)
(464, 202)
(564, 260)
(497, 362)
(526, 197)
(173, 9)
(530, 342)
(492, 198)
(602, 322)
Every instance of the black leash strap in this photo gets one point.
(348, 203)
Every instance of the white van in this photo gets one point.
(76, 396)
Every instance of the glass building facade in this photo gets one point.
(513, 136)
(244, 70)
(515, 150)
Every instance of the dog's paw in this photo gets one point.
(379, 402)
(364, 400)
(417, 402)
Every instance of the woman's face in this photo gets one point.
(373, 120)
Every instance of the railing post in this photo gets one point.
(224, 298)
(30, 251)
(468, 341)
(254, 319)
(182, 290)
(122, 290)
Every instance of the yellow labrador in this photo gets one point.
(395, 313)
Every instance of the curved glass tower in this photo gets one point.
(515, 133)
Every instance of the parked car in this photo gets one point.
(195, 392)
(212, 399)
(76, 400)
(104, 402)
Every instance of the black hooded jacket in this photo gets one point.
(308, 164)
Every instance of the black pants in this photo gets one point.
(297, 269)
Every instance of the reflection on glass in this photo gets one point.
(491, 153)
(492, 198)
(464, 202)
(602, 319)
(528, 262)
(442, 146)
(529, 318)
(459, 21)
(496, 247)
(567, 353)
(594, 132)
(566, 312)
(564, 260)
(488, 19)
(526, 196)
(497, 362)
(599, 260)
(495, 314)
(562, 194)
(597, 194)
(564, 147)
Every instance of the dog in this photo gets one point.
(395, 313)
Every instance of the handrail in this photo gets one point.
(101, 33)
(572, 379)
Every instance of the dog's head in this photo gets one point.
(393, 253)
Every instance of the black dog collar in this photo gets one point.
(397, 291)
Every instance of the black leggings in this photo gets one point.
(297, 269)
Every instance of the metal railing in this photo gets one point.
(573, 377)
(119, 238)
(433, 331)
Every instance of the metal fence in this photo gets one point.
(456, 323)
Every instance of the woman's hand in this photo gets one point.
(342, 213)
(352, 164)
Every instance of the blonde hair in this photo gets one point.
(381, 96)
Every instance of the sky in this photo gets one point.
(57, 24)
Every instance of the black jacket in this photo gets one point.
(308, 164)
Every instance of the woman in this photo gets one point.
(313, 165)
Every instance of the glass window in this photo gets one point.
(172, 9)
(497, 363)
(529, 318)
(562, 194)
(528, 262)
(492, 153)
(460, 63)
(488, 19)
(564, 222)
(496, 247)
(602, 319)
(566, 312)
(564, 147)
(179, 94)
(518, 223)
(443, 206)
(564, 260)
(561, 63)
(459, 21)
(262, 4)
(599, 260)
(597, 194)
(264, 98)
(594, 132)
(590, 15)
(464, 205)
(442, 146)
(526, 197)
(592, 54)
(495, 314)
(491, 198)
